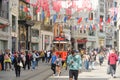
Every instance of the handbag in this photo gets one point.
(20, 64)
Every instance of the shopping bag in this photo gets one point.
(108, 69)
(20, 64)
(64, 65)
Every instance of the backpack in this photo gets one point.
(6, 57)
(30, 57)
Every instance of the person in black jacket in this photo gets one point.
(16, 61)
(28, 61)
(2, 59)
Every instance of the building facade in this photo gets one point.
(118, 26)
(5, 25)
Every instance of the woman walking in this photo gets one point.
(112, 60)
(101, 58)
(17, 60)
(58, 65)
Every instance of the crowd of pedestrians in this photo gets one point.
(75, 61)
(85, 59)
(22, 60)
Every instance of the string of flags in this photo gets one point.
(43, 6)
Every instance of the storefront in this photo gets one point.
(91, 42)
(81, 43)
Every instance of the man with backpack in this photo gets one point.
(112, 61)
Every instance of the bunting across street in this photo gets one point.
(70, 7)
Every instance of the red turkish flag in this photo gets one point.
(79, 20)
(68, 11)
(73, 4)
(108, 20)
(79, 9)
(26, 9)
(101, 27)
(56, 6)
(94, 27)
(101, 19)
(28, 1)
(48, 13)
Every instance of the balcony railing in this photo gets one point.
(4, 14)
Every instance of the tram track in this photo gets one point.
(39, 74)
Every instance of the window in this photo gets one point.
(80, 31)
(50, 21)
(84, 31)
(102, 0)
(13, 23)
(34, 14)
(115, 4)
(102, 9)
(35, 33)
(90, 16)
(91, 33)
(22, 37)
(4, 9)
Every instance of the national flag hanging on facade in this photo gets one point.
(115, 17)
(42, 15)
(101, 26)
(94, 27)
(108, 19)
(25, 9)
(28, 1)
(79, 20)
(101, 19)
(54, 17)
(90, 28)
(65, 19)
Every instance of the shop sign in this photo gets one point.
(59, 38)
(35, 39)
(101, 35)
(91, 39)
(82, 41)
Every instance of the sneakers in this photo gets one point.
(53, 74)
(114, 76)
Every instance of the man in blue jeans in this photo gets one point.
(53, 63)
(75, 64)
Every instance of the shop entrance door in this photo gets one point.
(80, 46)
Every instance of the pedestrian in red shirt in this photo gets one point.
(112, 60)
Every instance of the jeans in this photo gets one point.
(113, 69)
(53, 67)
(33, 64)
(86, 63)
(92, 64)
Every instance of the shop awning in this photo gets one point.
(64, 42)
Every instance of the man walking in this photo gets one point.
(53, 63)
(75, 64)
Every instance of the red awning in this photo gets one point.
(81, 40)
